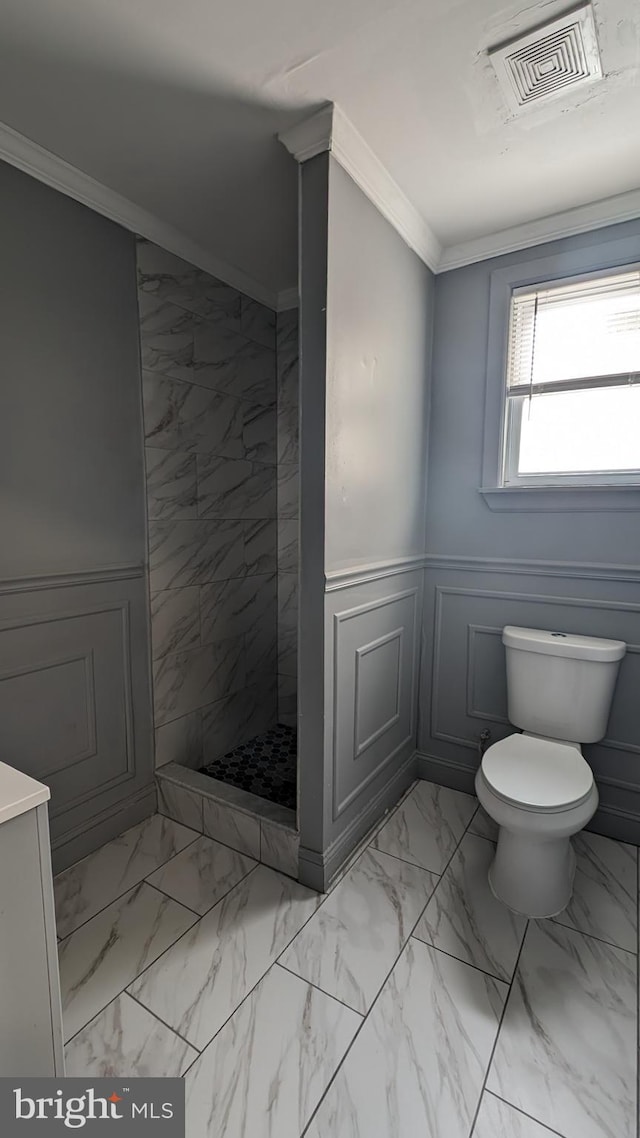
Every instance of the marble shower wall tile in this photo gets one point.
(234, 828)
(202, 874)
(418, 1065)
(288, 490)
(127, 1041)
(196, 552)
(567, 1048)
(287, 624)
(175, 621)
(226, 361)
(239, 717)
(86, 887)
(180, 416)
(181, 804)
(293, 1058)
(167, 338)
(287, 700)
(260, 548)
(171, 484)
(352, 941)
(235, 488)
(258, 322)
(232, 608)
(259, 433)
(604, 891)
(428, 826)
(99, 959)
(279, 847)
(202, 979)
(261, 648)
(288, 436)
(464, 919)
(180, 741)
(186, 681)
(164, 277)
(287, 353)
(288, 546)
(496, 1119)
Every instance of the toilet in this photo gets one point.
(536, 785)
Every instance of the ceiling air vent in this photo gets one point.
(551, 60)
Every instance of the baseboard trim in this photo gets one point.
(96, 831)
(318, 869)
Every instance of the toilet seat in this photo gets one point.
(537, 774)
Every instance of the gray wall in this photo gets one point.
(288, 360)
(74, 678)
(379, 306)
(573, 568)
(366, 303)
(209, 386)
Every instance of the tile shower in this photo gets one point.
(220, 386)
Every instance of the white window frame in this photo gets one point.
(515, 407)
(598, 257)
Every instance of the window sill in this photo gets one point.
(568, 499)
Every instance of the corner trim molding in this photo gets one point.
(568, 223)
(373, 571)
(49, 168)
(588, 571)
(329, 129)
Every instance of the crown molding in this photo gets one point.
(287, 298)
(581, 219)
(330, 130)
(53, 171)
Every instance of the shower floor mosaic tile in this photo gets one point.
(266, 766)
(405, 1003)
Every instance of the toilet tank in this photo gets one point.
(560, 685)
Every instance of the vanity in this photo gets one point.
(31, 1040)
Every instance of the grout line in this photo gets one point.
(590, 936)
(141, 881)
(382, 987)
(163, 1022)
(327, 995)
(500, 1023)
(452, 956)
(405, 861)
(518, 1110)
(168, 897)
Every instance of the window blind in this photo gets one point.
(582, 334)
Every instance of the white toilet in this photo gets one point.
(536, 785)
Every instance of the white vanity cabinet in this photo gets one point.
(31, 1040)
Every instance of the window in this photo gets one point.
(572, 413)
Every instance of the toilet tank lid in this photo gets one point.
(563, 644)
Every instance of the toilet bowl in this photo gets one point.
(537, 785)
(540, 792)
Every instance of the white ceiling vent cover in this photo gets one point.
(549, 61)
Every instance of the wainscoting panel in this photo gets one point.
(463, 683)
(374, 690)
(371, 645)
(75, 709)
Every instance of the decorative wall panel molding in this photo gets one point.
(373, 571)
(374, 690)
(64, 580)
(577, 571)
(468, 680)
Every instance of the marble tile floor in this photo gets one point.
(406, 1002)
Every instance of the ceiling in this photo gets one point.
(175, 104)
